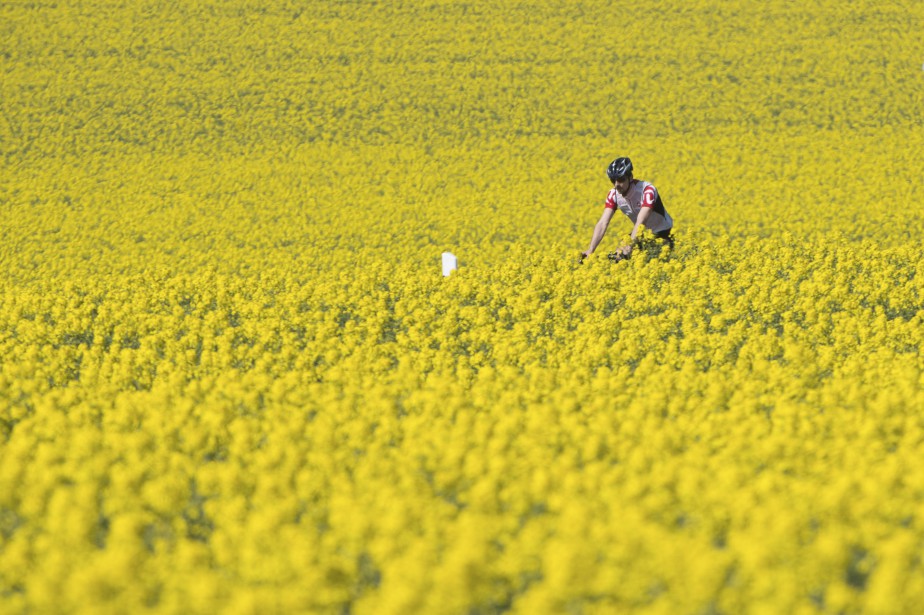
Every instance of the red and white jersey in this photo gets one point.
(641, 194)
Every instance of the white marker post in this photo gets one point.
(450, 263)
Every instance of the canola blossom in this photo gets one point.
(234, 380)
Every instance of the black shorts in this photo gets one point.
(666, 237)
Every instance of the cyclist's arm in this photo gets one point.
(600, 230)
(639, 222)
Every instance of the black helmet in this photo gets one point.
(619, 168)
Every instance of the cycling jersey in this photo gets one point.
(641, 194)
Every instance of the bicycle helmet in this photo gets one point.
(619, 168)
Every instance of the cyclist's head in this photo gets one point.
(619, 170)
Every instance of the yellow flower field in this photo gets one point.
(233, 379)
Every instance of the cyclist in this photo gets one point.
(641, 203)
